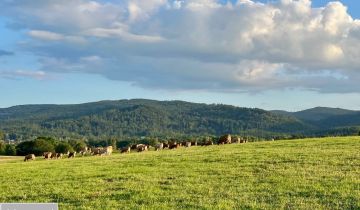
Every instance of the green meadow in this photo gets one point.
(297, 174)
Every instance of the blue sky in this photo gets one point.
(277, 55)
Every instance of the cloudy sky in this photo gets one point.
(278, 54)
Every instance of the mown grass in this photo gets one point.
(298, 174)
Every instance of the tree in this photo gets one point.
(64, 147)
(113, 143)
(80, 146)
(2, 147)
(10, 150)
(37, 147)
(2, 135)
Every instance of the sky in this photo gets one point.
(271, 54)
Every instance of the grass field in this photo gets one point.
(298, 174)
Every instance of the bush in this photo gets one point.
(125, 143)
(37, 147)
(64, 147)
(2, 147)
(79, 146)
(10, 150)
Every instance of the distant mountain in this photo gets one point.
(321, 113)
(327, 120)
(316, 114)
(140, 117)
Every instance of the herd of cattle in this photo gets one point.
(85, 151)
(225, 139)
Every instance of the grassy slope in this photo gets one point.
(303, 174)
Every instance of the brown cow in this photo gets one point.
(142, 147)
(208, 143)
(125, 150)
(72, 154)
(225, 139)
(159, 146)
(54, 155)
(29, 157)
(194, 143)
(243, 141)
(174, 145)
(166, 145)
(235, 140)
(96, 150)
(47, 155)
(84, 150)
(59, 155)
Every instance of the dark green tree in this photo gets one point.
(10, 150)
(80, 145)
(64, 147)
(2, 136)
(37, 147)
(2, 147)
(112, 142)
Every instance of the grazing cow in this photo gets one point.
(29, 157)
(194, 143)
(108, 150)
(47, 155)
(142, 147)
(59, 155)
(134, 146)
(235, 140)
(208, 143)
(188, 144)
(96, 150)
(53, 155)
(225, 139)
(175, 146)
(84, 150)
(166, 145)
(243, 141)
(159, 146)
(72, 154)
(125, 150)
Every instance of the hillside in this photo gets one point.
(327, 121)
(321, 113)
(142, 118)
(297, 174)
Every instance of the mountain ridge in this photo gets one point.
(143, 117)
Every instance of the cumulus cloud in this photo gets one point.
(240, 46)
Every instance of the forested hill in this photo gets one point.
(141, 117)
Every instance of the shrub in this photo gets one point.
(37, 147)
(10, 150)
(64, 147)
(2, 147)
(80, 146)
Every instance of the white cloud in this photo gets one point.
(46, 35)
(39, 75)
(196, 44)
